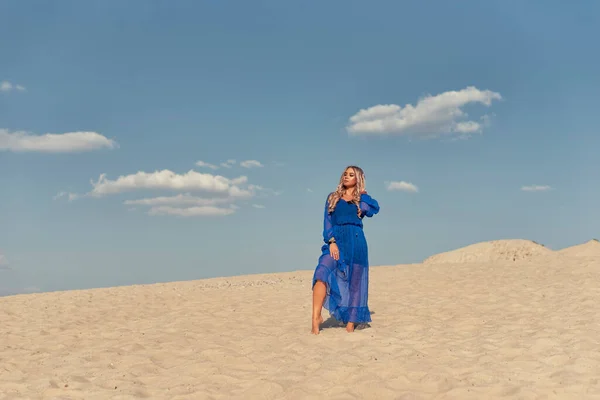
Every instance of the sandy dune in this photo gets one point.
(495, 329)
(587, 249)
(495, 251)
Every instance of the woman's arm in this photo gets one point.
(327, 224)
(368, 205)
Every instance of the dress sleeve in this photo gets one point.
(368, 205)
(327, 223)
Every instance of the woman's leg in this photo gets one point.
(358, 301)
(319, 292)
(354, 292)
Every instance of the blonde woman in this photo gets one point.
(341, 279)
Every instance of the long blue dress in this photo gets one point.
(347, 280)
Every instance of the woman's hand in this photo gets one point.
(359, 213)
(334, 251)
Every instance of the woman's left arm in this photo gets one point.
(368, 205)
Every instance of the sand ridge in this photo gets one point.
(520, 330)
(588, 249)
(497, 251)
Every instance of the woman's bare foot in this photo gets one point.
(350, 327)
(319, 292)
(316, 325)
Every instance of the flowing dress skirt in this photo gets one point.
(347, 280)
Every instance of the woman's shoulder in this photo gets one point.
(328, 199)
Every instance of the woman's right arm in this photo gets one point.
(327, 224)
(328, 237)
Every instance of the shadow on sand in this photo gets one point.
(334, 323)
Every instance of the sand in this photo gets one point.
(505, 329)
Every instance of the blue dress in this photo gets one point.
(347, 280)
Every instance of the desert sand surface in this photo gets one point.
(506, 319)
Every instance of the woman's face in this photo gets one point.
(349, 178)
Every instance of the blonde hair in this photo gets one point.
(335, 196)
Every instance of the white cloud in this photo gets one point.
(431, 116)
(201, 211)
(70, 196)
(535, 188)
(251, 164)
(187, 205)
(169, 180)
(180, 200)
(402, 185)
(206, 165)
(228, 164)
(70, 142)
(6, 87)
(258, 206)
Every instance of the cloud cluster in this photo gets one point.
(70, 142)
(218, 194)
(431, 116)
(6, 87)
(198, 194)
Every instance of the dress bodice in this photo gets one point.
(346, 213)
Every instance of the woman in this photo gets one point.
(341, 279)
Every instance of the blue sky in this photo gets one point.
(453, 111)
